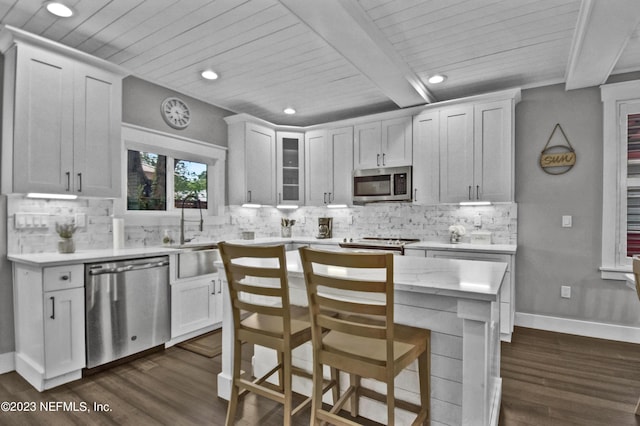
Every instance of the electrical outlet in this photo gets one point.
(81, 220)
(477, 221)
(565, 292)
(567, 221)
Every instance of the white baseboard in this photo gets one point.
(7, 362)
(621, 333)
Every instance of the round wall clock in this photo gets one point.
(176, 113)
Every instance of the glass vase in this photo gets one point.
(66, 245)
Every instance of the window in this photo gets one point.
(147, 182)
(621, 178)
(162, 169)
(190, 178)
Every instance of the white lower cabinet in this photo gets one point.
(49, 324)
(507, 293)
(196, 304)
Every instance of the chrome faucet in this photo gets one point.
(182, 219)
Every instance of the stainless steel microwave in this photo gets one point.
(382, 184)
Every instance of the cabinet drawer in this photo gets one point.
(63, 277)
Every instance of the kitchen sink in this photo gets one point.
(197, 259)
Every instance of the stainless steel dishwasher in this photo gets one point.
(127, 307)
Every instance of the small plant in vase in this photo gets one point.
(455, 233)
(66, 243)
(285, 227)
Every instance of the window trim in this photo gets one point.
(616, 99)
(173, 146)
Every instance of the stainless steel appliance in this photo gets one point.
(127, 308)
(325, 227)
(375, 243)
(382, 184)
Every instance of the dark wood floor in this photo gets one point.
(559, 379)
(548, 379)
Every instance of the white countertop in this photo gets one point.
(87, 256)
(489, 248)
(469, 279)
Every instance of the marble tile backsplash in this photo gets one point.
(393, 220)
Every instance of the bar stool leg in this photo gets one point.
(355, 397)
(638, 408)
(424, 371)
(285, 383)
(235, 390)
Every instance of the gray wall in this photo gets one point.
(141, 106)
(550, 256)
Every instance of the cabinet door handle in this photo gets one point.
(248, 196)
(415, 194)
(214, 286)
(477, 192)
(68, 181)
(220, 287)
(79, 182)
(469, 192)
(64, 277)
(324, 198)
(53, 307)
(378, 159)
(330, 197)
(383, 159)
(279, 197)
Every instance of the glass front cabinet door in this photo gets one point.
(290, 168)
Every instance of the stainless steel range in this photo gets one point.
(376, 243)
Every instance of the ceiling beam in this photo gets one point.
(346, 27)
(602, 32)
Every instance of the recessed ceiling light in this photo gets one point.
(59, 9)
(209, 75)
(289, 111)
(437, 78)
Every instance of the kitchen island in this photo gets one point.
(458, 300)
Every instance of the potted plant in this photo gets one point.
(66, 243)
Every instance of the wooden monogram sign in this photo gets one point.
(557, 159)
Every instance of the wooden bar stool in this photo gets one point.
(259, 294)
(362, 338)
(636, 274)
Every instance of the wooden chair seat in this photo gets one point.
(353, 331)
(271, 325)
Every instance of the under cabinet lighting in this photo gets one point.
(336, 206)
(59, 9)
(289, 111)
(287, 206)
(475, 203)
(252, 206)
(52, 196)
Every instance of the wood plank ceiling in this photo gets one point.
(273, 54)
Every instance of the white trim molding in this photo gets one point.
(7, 362)
(599, 330)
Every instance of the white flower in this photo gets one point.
(457, 229)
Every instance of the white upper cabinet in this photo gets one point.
(61, 126)
(341, 160)
(494, 151)
(252, 164)
(476, 152)
(290, 168)
(317, 164)
(386, 143)
(329, 163)
(426, 157)
(456, 154)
